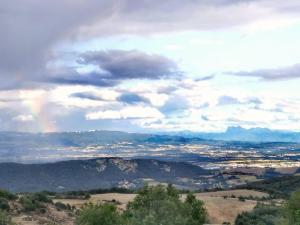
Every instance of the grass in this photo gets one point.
(219, 209)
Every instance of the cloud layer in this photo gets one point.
(31, 29)
(285, 73)
(45, 86)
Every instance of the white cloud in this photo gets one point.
(130, 112)
(23, 118)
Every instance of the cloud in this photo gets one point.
(133, 64)
(132, 98)
(8, 100)
(175, 105)
(31, 30)
(291, 72)
(205, 78)
(228, 100)
(24, 118)
(87, 95)
(72, 77)
(113, 67)
(131, 112)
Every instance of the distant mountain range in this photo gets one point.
(84, 138)
(241, 134)
(94, 174)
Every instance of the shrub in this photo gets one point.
(40, 197)
(4, 219)
(28, 204)
(7, 195)
(242, 199)
(62, 206)
(261, 215)
(32, 202)
(4, 204)
(105, 214)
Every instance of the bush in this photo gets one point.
(33, 202)
(242, 199)
(4, 206)
(29, 204)
(40, 197)
(4, 219)
(62, 206)
(105, 214)
(261, 215)
(7, 195)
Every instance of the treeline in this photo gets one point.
(279, 187)
(87, 193)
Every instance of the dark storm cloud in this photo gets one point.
(132, 98)
(284, 73)
(30, 29)
(115, 66)
(120, 65)
(74, 78)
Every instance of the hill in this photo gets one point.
(278, 187)
(95, 173)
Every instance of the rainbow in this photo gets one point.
(38, 109)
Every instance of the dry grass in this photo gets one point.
(219, 209)
(225, 210)
(122, 199)
(237, 193)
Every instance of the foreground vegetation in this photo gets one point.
(152, 206)
(278, 187)
(266, 214)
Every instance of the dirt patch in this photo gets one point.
(50, 217)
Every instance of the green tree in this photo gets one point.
(104, 214)
(261, 215)
(160, 205)
(157, 205)
(292, 209)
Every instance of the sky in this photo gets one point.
(149, 65)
